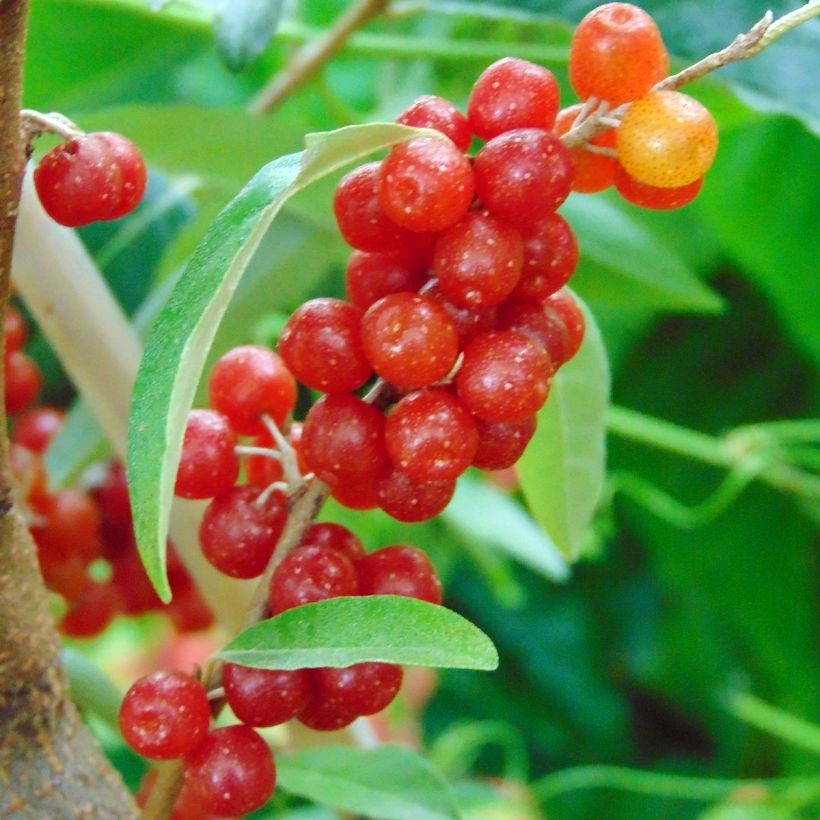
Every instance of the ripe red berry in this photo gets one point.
(111, 495)
(652, 197)
(591, 171)
(399, 570)
(188, 611)
(502, 443)
(360, 216)
(232, 771)
(426, 184)
(250, 381)
(523, 175)
(14, 328)
(90, 613)
(208, 464)
(550, 257)
(321, 347)
(310, 574)
(478, 261)
(265, 697)
(361, 689)
(468, 322)
(70, 579)
(70, 525)
(409, 340)
(617, 54)
(37, 427)
(23, 381)
(359, 496)
(237, 535)
(505, 376)
(98, 176)
(568, 319)
(323, 716)
(512, 93)
(369, 276)
(336, 537)
(430, 436)
(343, 439)
(410, 501)
(165, 715)
(441, 115)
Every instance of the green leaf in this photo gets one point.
(389, 782)
(504, 526)
(185, 328)
(79, 444)
(563, 469)
(339, 632)
(244, 28)
(622, 262)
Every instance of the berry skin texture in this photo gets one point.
(237, 536)
(512, 93)
(165, 715)
(360, 217)
(324, 716)
(336, 537)
(505, 376)
(502, 443)
(98, 176)
(616, 54)
(310, 574)
(478, 261)
(409, 340)
(411, 501)
(652, 198)
(566, 314)
(265, 697)
(320, 345)
(370, 276)
(523, 175)
(208, 465)
(399, 570)
(591, 172)
(667, 140)
(441, 115)
(550, 257)
(232, 771)
(361, 689)
(426, 184)
(248, 381)
(430, 436)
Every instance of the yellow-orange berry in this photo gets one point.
(667, 139)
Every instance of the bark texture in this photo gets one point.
(50, 765)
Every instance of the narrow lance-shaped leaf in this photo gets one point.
(185, 328)
(390, 782)
(563, 469)
(339, 632)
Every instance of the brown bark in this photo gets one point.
(50, 766)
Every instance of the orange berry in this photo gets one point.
(616, 54)
(667, 139)
(592, 172)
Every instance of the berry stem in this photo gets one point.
(34, 123)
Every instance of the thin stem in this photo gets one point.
(783, 725)
(34, 123)
(307, 61)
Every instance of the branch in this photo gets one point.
(310, 57)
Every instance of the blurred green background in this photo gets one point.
(646, 657)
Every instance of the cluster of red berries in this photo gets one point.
(76, 528)
(231, 770)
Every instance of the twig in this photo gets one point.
(308, 59)
(34, 123)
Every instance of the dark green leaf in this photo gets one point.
(244, 28)
(388, 783)
(342, 631)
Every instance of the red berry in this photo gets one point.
(310, 574)
(399, 570)
(441, 115)
(208, 464)
(562, 307)
(430, 436)
(262, 471)
(165, 715)
(97, 176)
(15, 329)
(360, 216)
(523, 175)
(370, 276)
(188, 611)
(362, 689)
(336, 537)
(478, 261)
(265, 697)
(358, 496)
(237, 535)
(323, 716)
(112, 498)
(410, 501)
(250, 381)
(591, 172)
(512, 93)
(37, 427)
(90, 613)
(70, 525)
(23, 381)
(128, 575)
(530, 319)
(409, 340)
(69, 578)
(320, 344)
(504, 376)
(426, 184)
(468, 322)
(502, 443)
(343, 439)
(232, 771)
(651, 197)
(550, 257)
